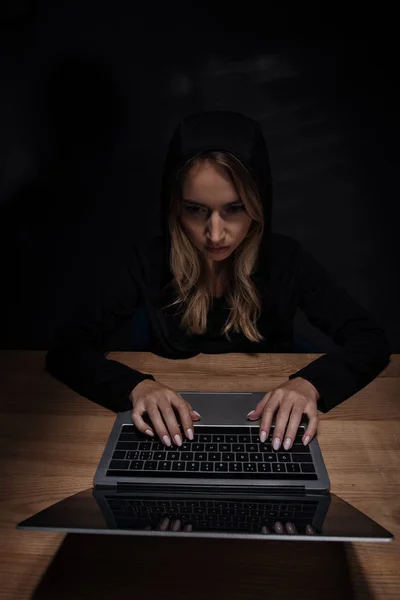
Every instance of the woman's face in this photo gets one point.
(212, 212)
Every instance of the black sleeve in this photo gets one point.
(363, 350)
(76, 356)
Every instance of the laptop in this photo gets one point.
(223, 483)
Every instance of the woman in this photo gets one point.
(217, 280)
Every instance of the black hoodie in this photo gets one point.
(286, 275)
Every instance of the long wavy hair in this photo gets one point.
(191, 280)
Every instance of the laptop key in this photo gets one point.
(265, 448)
(214, 456)
(197, 447)
(242, 457)
(158, 446)
(127, 428)
(133, 455)
(144, 446)
(120, 454)
(211, 447)
(186, 447)
(270, 458)
(186, 456)
(231, 439)
(174, 456)
(300, 448)
(293, 468)
(283, 457)
(249, 467)
(263, 467)
(244, 439)
(302, 458)
(178, 466)
(150, 465)
(228, 456)
(126, 446)
(224, 447)
(164, 466)
(160, 455)
(255, 457)
(200, 456)
(279, 467)
(119, 464)
(192, 466)
(204, 437)
(238, 447)
(126, 437)
(235, 467)
(207, 466)
(136, 465)
(307, 468)
(217, 439)
(219, 466)
(251, 447)
(146, 455)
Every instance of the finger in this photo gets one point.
(188, 527)
(310, 530)
(184, 413)
(257, 412)
(153, 411)
(138, 421)
(281, 420)
(311, 427)
(193, 413)
(291, 529)
(267, 417)
(291, 431)
(278, 527)
(176, 525)
(170, 421)
(264, 529)
(164, 524)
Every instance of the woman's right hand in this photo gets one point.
(159, 401)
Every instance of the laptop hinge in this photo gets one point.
(204, 490)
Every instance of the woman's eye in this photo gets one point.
(196, 210)
(237, 208)
(193, 209)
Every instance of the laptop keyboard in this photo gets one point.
(215, 453)
(209, 514)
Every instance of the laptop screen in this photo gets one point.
(324, 517)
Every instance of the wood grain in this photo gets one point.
(51, 440)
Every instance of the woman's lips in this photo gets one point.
(217, 250)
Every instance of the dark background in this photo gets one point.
(90, 93)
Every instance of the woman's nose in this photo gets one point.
(215, 229)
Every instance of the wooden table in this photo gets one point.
(52, 439)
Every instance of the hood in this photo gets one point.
(219, 130)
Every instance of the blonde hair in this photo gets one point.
(188, 265)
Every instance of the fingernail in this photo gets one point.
(263, 435)
(176, 525)
(251, 412)
(190, 434)
(290, 527)
(276, 443)
(306, 440)
(149, 432)
(287, 443)
(178, 440)
(166, 440)
(196, 413)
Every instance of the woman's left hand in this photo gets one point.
(293, 398)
